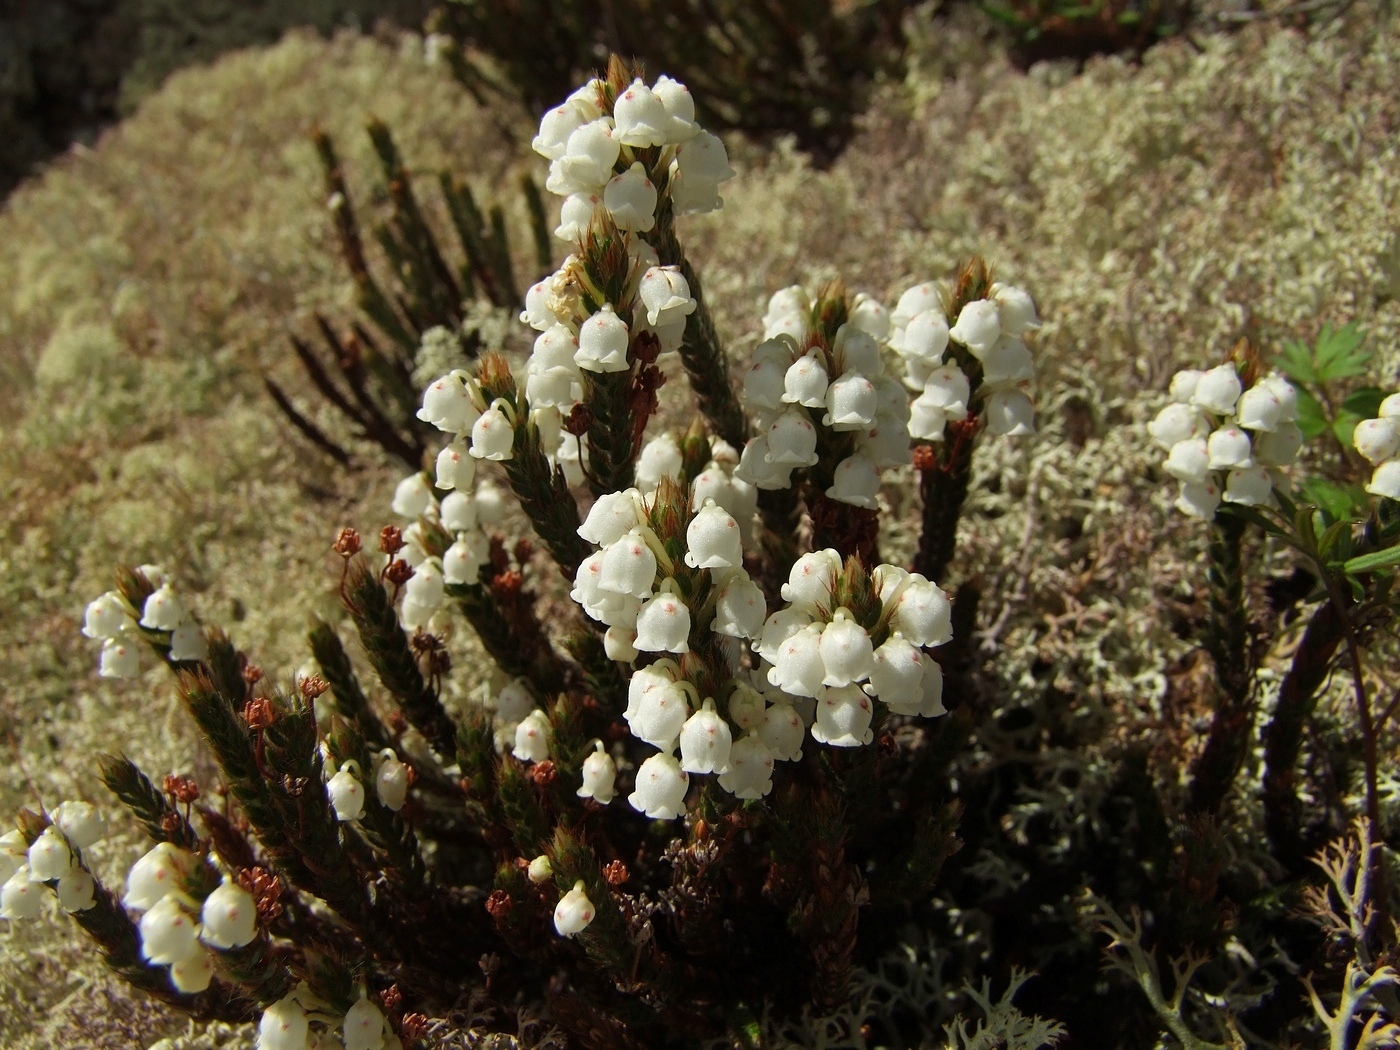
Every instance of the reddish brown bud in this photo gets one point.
(507, 585)
(252, 674)
(266, 889)
(391, 540)
(925, 459)
(498, 905)
(646, 347)
(312, 686)
(413, 1027)
(392, 999)
(399, 572)
(181, 789)
(524, 550)
(259, 713)
(579, 420)
(616, 873)
(170, 823)
(347, 543)
(544, 773)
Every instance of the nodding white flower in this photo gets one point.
(797, 665)
(425, 588)
(538, 312)
(284, 1026)
(554, 348)
(1199, 498)
(765, 380)
(620, 643)
(1377, 439)
(491, 504)
(665, 295)
(740, 607)
(641, 117)
(1229, 449)
(515, 701)
(447, 404)
(791, 325)
(1248, 486)
(347, 794)
(540, 870)
(1010, 413)
(602, 342)
(1217, 390)
(713, 484)
(925, 337)
(781, 626)
(855, 350)
(588, 160)
(782, 730)
(792, 440)
(676, 99)
(555, 128)
(14, 852)
(1268, 404)
(670, 334)
(660, 788)
(1278, 447)
(574, 912)
(1183, 385)
(923, 613)
(412, 496)
(532, 737)
(1177, 422)
(663, 625)
(790, 300)
(493, 434)
(106, 617)
(851, 403)
(613, 516)
(168, 933)
(230, 916)
(843, 717)
(897, 671)
(558, 387)
(1015, 309)
(756, 466)
(1189, 461)
(915, 301)
(846, 650)
(631, 199)
(163, 610)
(364, 1027)
(869, 315)
(856, 481)
(745, 706)
(660, 458)
(187, 642)
(929, 701)
(391, 780)
(162, 870)
(660, 675)
(462, 562)
(978, 326)
(193, 974)
(80, 822)
(658, 714)
(457, 512)
(811, 579)
(1008, 362)
(705, 741)
(750, 773)
(712, 540)
(629, 566)
(50, 856)
(20, 896)
(1385, 481)
(701, 165)
(599, 776)
(887, 443)
(805, 381)
(576, 215)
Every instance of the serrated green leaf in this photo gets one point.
(1338, 352)
(1296, 362)
(1312, 421)
(1373, 561)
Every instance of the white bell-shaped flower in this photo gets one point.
(782, 731)
(1184, 383)
(869, 315)
(456, 467)
(347, 795)
(641, 117)
(391, 780)
(846, 650)
(758, 469)
(765, 379)
(701, 165)
(229, 916)
(1010, 413)
(284, 1026)
(586, 590)
(463, 561)
(412, 496)
(629, 566)
(21, 897)
(805, 381)
(856, 481)
(1249, 487)
(187, 643)
(540, 870)
(1261, 408)
(631, 200)
(797, 667)
(491, 504)
(929, 702)
(1199, 499)
(856, 352)
(843, 717)
(14, 854)
(457, 512)
(660, 788)
(740, 607)
(532, 737)
(897, 671)
(50, 856)
(364, 1027)
(923, 614)
(426, 586)
(781, 626)
(162, 870)
(106, 617)
(164, 609)
(792, 440)
(978, 326)
(81, 823)
(1177, 422)
(645, 680)
(76, 891)
(514, 701)
(660, 458)
(705, 741)
(538, 313)
(493, 434)
(1377, 439)
(193, 974)
(712, 540)
(658, 715)
(1229, 449)
(574, 911)
(665, 295)
(168, 933)
(447, 404)
(750, 773)
(680, 109)
(1385, 481)
(613, 516)
(811, 579)
(1278, 447)
(599, 776)
(714, 483)
(663, 625)
(790, 300)
(602, 342)
(620, 643)
(851, 403)
(1008, 362)
(1015, 309)
(554, 348)
(925, 337)
(1189, 460)
(1217, 390)
(577, 214)
(588, 159)
(915, 301)
(746, 706)
(555, 128)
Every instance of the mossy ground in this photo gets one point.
(1244, 185)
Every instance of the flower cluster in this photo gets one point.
(989, 333)
(288, 1025)
(817, 385)
(1226, 440)
(391, 778)
(163, 622)
(1378, 440)
(53, 858)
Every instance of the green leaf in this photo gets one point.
(1312, 421)
(1373, 561)
(1338, 352)
(1338, 502)
(1365, 403)
(1329, 539)
(1296, 362)
(1344, 426)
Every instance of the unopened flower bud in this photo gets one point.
(532, 737)
(168, 933)
(599, 776)
(230, 916)
(50, 856)
(574, 911)
(106, 617)
(347, 795)
(163, 610)
(364, 1027)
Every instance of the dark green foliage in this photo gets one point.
(162, 821)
